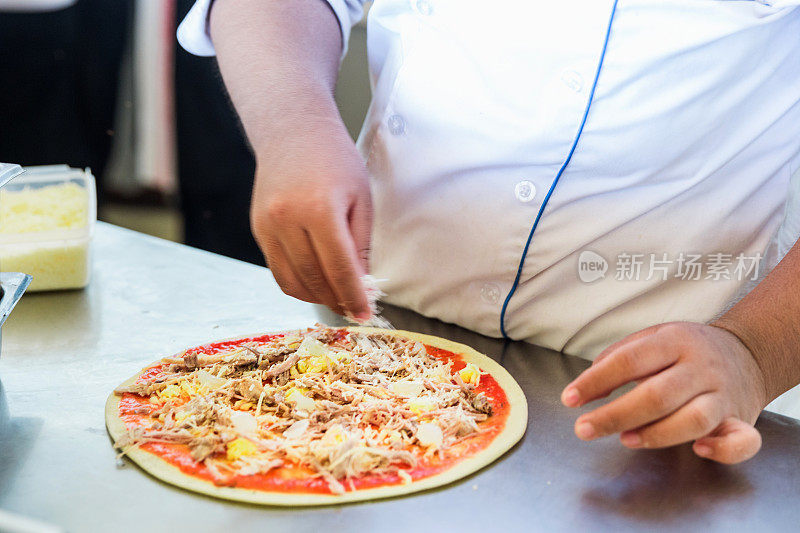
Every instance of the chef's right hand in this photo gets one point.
(311, 215)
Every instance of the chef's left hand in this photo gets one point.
(696, 382)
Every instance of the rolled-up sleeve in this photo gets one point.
(194, 37)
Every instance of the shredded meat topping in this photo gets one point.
(341, 403)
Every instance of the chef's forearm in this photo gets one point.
(767, 321)
(279, 60)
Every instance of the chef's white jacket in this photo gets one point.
(649, 130)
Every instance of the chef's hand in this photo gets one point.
(312, 215)
(311, 204)
(695, 383)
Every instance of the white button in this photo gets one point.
(423, 7)
(573, 80)
(490, 293)
(397, 126)
(525, 191)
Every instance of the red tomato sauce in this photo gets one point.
(134, 411)
(216, 347)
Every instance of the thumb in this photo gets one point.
(733, 441)
(360, 222)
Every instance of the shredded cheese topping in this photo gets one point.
(340, 403)
(374, 293)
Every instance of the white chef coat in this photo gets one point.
(691, 132)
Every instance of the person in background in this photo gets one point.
(215, 163)
(59, 65)
(513, 151)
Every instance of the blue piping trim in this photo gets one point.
(558, 175)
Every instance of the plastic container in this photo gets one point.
(47, 218)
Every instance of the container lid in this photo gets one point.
(36, 177)
(9, 171)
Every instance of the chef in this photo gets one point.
(600, 177)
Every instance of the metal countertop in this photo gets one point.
(64, 352)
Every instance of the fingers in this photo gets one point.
(629, 361)
(630, 338)
(694, 420)
(298, 269)
(731, 442)
(338, 257)
(312, 253)
(282, 272)
(305, 265)
(651, 400)
(691, 388)
(360, 222)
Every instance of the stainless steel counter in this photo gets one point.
(64, 352)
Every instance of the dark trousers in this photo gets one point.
(215, 163)
(58, 83)
(59, 76)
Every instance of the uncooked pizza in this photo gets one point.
(318, 416)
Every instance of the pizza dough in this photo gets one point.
(512, 432)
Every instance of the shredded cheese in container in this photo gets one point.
(63, 206)
(45, 230)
